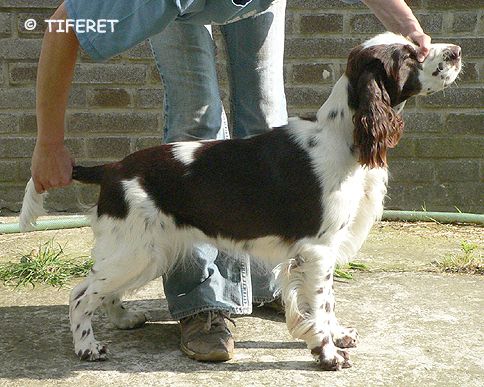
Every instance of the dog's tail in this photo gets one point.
(33, 203)
(32, 207)
(89, 175)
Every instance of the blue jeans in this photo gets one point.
(185, 56)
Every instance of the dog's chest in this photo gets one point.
(341, 199)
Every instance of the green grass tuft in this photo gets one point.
(469, 260)
(343, 273)
(46, 265)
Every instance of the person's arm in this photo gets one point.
(397, 17)
(51, 161)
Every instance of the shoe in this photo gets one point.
(206, 337)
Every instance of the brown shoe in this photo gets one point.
(206, 337)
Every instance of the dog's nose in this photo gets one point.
(453, 53)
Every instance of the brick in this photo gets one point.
(366, 23)
(88, 194)
(464, 22)
(30, 4)
(113, 122)
(436, 4)
(76, 146)
(454, 97)
(404, 149)
(8, 123)
(11, 147)
(108, 147)
(306, 96)
(154, 74)
(319, 47)
(445, 147)
(23, 167)
(8, 171)
(431, 23)
(147, 142)
(290, 26)
(22, 73)
(109, 97)
(28, 123)
(20, 48)
(470, 72)
(317, 24)
(320, 4)
(5, 25)
(467, 197)
(17, 98)
(77, 97)
(149, 98)
(418, 122)
(313, 73)
(465, 123)
(471, 47)
(2, 77)
(110, 73)
(456, 170)
(140, 51)
(11, 197)
(63, 199)
(410, 171)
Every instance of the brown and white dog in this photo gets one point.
(301, 197)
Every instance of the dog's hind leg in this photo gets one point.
(121, 317)
(306, 287)
(111, 275)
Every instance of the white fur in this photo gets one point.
(387, 38)
(183, 151)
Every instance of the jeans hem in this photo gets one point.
(206, 308)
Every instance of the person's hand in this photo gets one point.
(423, 41)
(51, 166)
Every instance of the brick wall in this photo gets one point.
(116, 107)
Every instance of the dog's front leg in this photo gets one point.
(306, 284)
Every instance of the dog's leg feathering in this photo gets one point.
(306, 288)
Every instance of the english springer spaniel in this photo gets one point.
(301, 198)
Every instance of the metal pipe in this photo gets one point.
(440, 217)
(72, 221)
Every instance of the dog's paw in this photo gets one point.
(131, 320)
(345, 337)
(92, 351)
(331, 358)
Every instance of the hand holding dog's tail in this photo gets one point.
(32, 207)
(33, 203)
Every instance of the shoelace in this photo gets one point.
(215, 317)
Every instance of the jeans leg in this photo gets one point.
(186, 60)
(255, 48)
(185, 57)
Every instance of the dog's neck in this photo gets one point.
(335, 114)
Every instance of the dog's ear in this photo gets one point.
(377, 125)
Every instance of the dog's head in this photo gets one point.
(383, 73)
